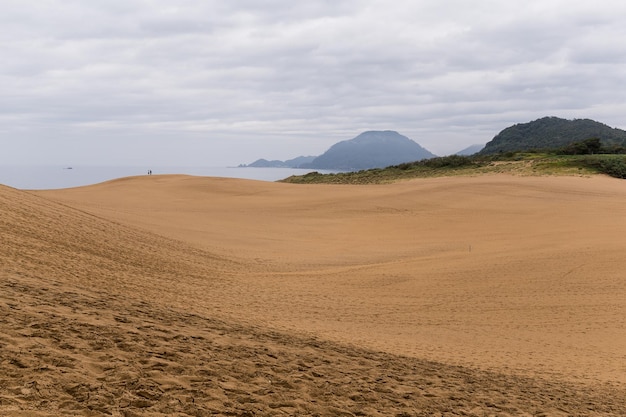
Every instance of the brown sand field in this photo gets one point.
(178, 295)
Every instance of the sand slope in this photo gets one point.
(179, 294)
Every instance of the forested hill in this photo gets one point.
(551, 133)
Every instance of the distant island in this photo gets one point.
(372, 149)
(290, 163)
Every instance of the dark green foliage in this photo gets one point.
(614, 149)
(426, 167)
(615, 166)
(590, 147)
(452, 161)
(586, 147)
(553, 133)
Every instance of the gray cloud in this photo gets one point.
(218, 83)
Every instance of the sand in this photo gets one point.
(156, 295)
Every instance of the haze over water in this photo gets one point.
(54, 177)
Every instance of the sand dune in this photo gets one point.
(174, 294)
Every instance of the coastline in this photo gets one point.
(50, 177)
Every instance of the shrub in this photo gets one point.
(452, 161)
(613, 166)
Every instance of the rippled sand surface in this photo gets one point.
(488, 295)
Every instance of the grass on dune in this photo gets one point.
(516, 163)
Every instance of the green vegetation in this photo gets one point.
(553, 133)
(613, 165)
(575, 159)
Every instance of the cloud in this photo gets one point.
(288, 78)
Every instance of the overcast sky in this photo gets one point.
(223, 82)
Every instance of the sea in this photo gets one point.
(56, 177)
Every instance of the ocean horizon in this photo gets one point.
(39, 177)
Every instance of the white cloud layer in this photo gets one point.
(216, 82)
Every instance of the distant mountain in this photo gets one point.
(551, 133)
(470, 150)
(290, 163)
(373, 149)
(264, 163)
(299, 161)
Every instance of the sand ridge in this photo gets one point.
(174, 294)
(523, 273)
